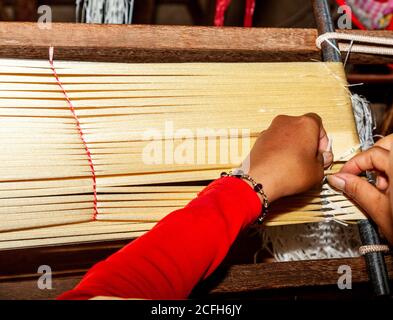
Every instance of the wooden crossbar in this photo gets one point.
(145, 43)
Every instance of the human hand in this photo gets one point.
(375, 200)
(290, 156)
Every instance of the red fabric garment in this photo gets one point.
(182, 249)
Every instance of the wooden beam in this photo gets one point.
(61, 258)
(256, 280)
(28, 290)
(144, 43)
(286, 275)
(370, 78)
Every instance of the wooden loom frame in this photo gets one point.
(172, 44)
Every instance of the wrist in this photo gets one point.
(257, 187)
(237, 194)
(267, 180)
(258, 194)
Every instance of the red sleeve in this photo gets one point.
(182, 249)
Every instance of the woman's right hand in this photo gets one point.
(375, 200)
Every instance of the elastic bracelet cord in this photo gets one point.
(258, 188)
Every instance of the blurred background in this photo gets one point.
(272, 13)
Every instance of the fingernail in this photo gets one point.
(330, 144)
(336, 182)
(327, 158)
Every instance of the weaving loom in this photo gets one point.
(52, 199)
(53, 206)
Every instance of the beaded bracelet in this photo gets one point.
(258, 188)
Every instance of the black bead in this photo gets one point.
(223, 174)
(262, 217)
(258, 187)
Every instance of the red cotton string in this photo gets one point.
(79, 128)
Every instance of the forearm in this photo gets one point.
(182, 249)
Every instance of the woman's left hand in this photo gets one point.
(375, 200)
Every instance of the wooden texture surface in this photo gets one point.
(252, 281)
(137, 43)
(262, 276)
